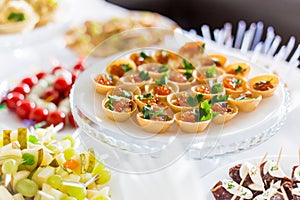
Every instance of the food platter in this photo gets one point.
(247, 129)
(208, 182)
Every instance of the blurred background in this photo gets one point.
(283, 15)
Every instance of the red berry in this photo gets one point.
(30, 81)
(24, 108)
(40, 75)
(22, 88)
(79, 66)
(56, 117)
(12, 99)
(62, 85)
(71, 119)
(38, 114)
(55, 69)
(51, 96)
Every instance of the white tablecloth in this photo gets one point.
(180, 181)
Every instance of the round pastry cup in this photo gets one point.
(221, 60)
(163, 98)
(246, 105)
(118, 116)
(185, 86)
(190, 127)
(221, 119)
(206, 96)
(103, 89)
(135, 90)
(153, 126)
(241, 90)
(219, 73)
(274, 80)
(141, 104)
(232, 67)
(173, 107)
(154, 75)
(141, 85)
(118, 62)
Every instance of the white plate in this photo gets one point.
(208, 182)
(244, 131)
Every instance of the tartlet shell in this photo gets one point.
(153, 126)
(173, 107)
(135, 90)
(119, 62)
(153, 75)
(103, 89)
(219, 73)
(190, 127)
(118, 116)
(234, 66)
(246, 105)
(206, 96)
(163, 98)
(185, 86)
(230, 91)
(221, 119)
(222, 59)
(275, 81)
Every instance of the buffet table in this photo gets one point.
(181, 180)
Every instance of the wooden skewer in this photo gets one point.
(263, 159)
(279, 156)
(284, 193)
(240, 185)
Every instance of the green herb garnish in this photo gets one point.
(33, 139)
(163, 68)
(188, 74)
(194, 101)
(211, 72)
(125, 94)
(126, 67)
(237, 81)
(112, 100)
(148, 112)
(162, 81)
(216, 88)
(146, 96)
(230, 186)
(187, 65)
(144, 76)
(274, 168)
(218, 99)
(28, 159)
(144, 55)
(17, 17)
(239, 69)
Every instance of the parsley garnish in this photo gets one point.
(17, 17)
(148, 113)
(188, 74)
(144, 76)
(218, 99)
(274, 168)
(162, 81)
(239, 69)
(112, 100)
(211, 72)
(143, 55)
(230, 186)
(187, 65)
(126, 67)
(125, 94)
(146, 96)
(163, 68)
(237, 81)
(28, 159)
(216, 88)
(194, 101)
(33, 139)
(203, 113)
